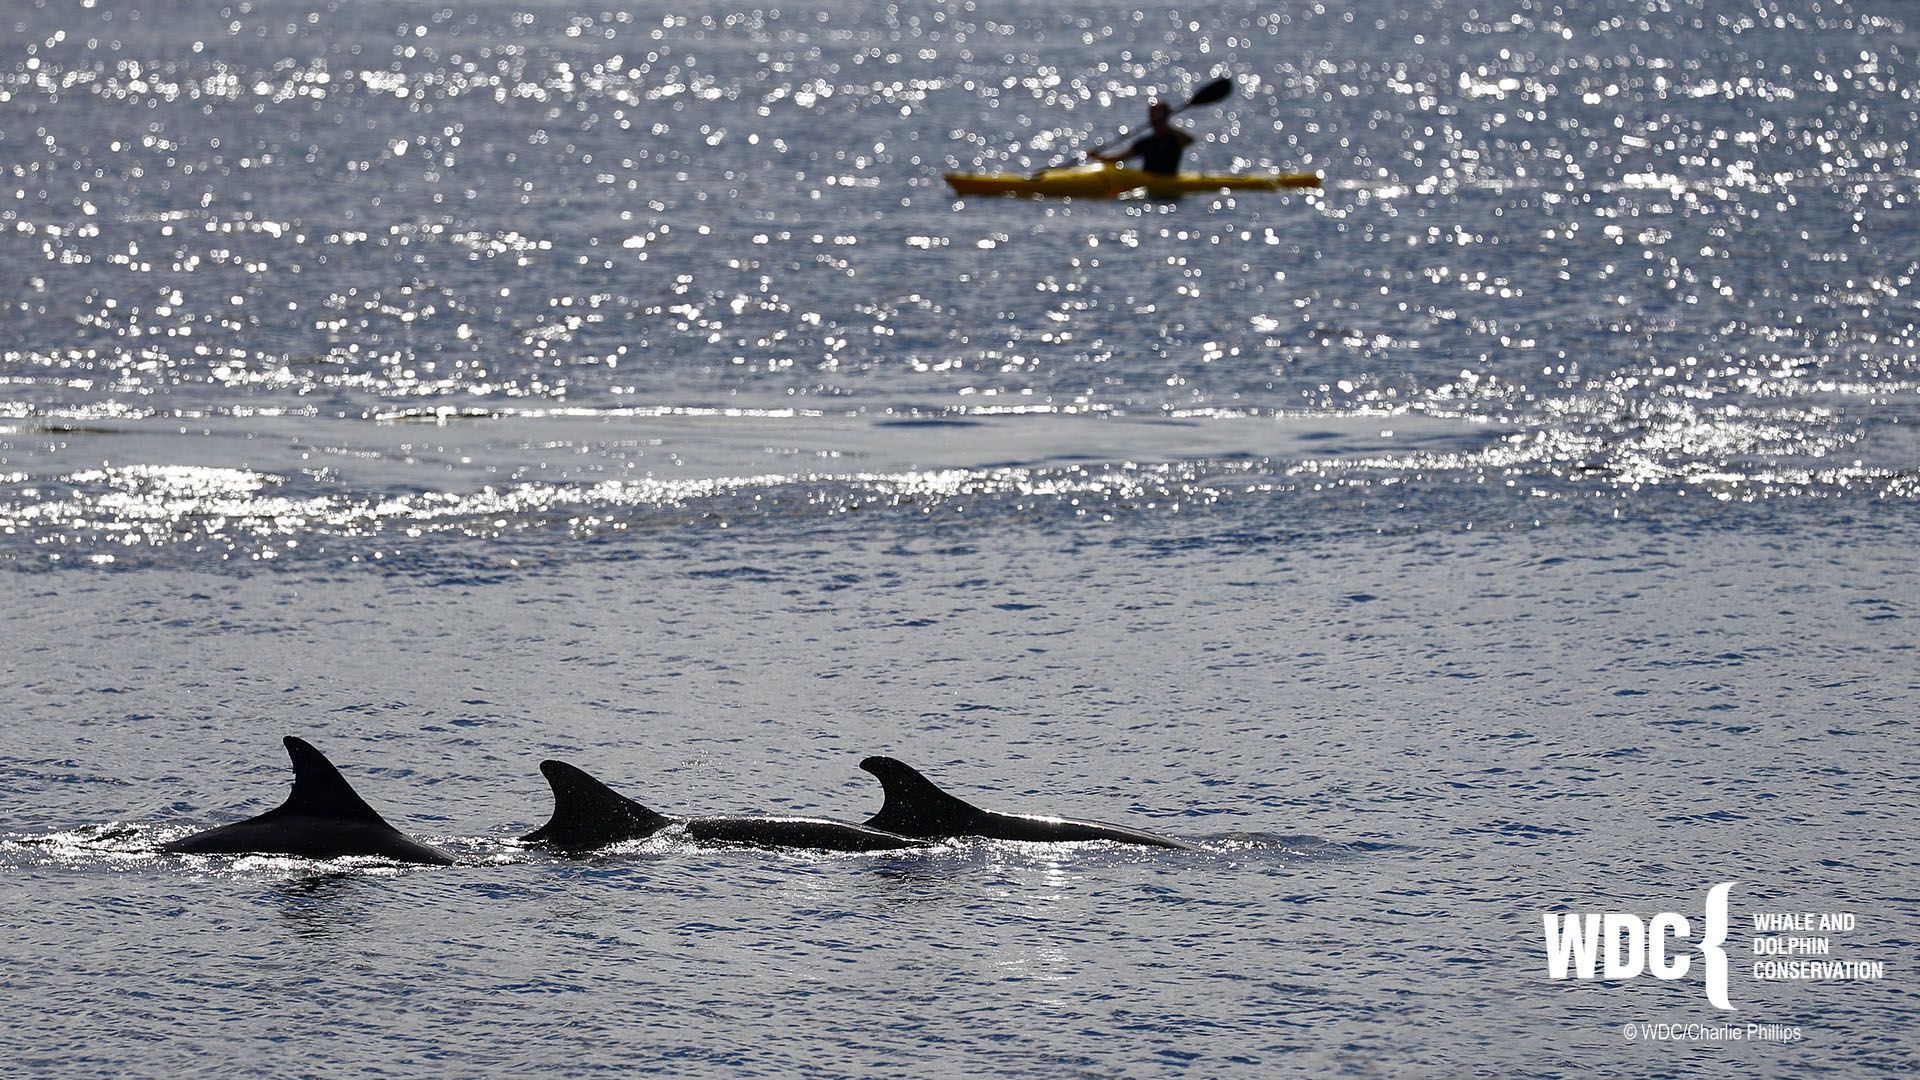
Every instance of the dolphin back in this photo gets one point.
(588, 814)
(323, 818)
(915, 806)
(1054, 830)
(816, 834)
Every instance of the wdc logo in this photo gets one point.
(1619, 946)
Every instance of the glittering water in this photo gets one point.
(458, 385)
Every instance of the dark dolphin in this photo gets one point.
(915, 807)
(324, 818)
(588, 814)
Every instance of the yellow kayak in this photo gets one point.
(1111, 182)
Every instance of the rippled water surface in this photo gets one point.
(1523, 521)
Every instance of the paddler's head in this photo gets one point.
(1158, 114)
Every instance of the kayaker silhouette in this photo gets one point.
(1159, 175)
(1159, 150)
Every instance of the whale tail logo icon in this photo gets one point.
(1711, 953)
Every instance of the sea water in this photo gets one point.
(1522, 524)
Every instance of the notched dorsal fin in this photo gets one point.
(914, 805)
(588, 813)
(319, 790)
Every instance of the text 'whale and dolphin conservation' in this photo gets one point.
(324, 818)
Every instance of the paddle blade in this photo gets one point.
(1211, 93)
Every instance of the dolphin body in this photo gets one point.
(914, 806)
(324, 818)
(588, 814)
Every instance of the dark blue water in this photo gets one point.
(1521, 523)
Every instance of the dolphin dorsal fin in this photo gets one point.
(588, 813)
(320, 791)
(914, 805)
